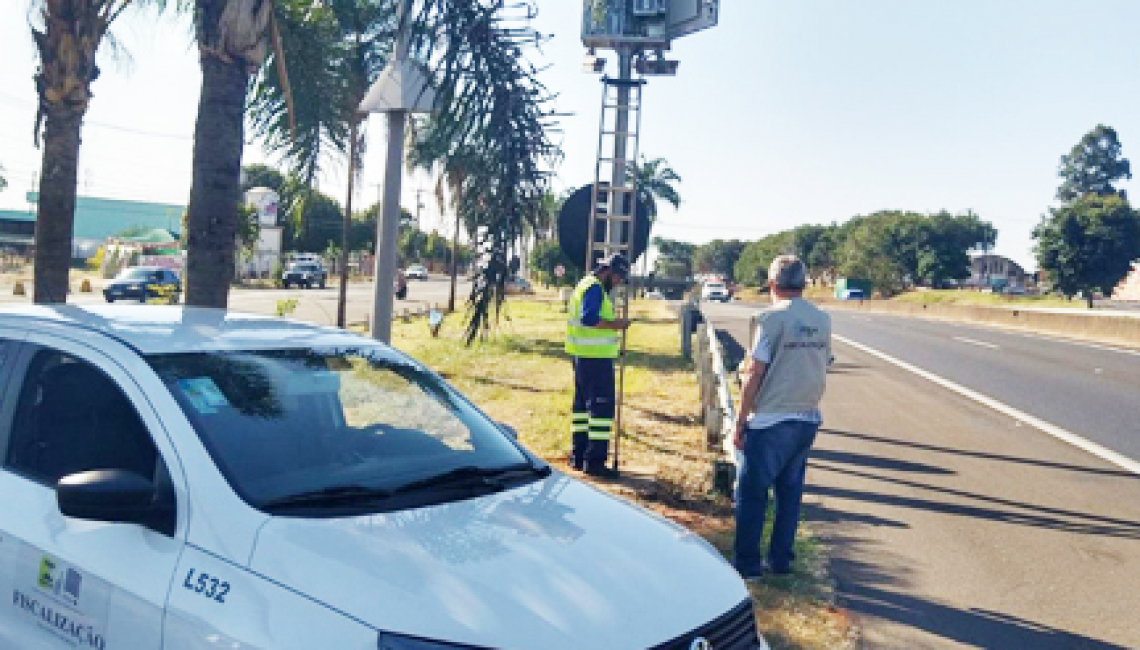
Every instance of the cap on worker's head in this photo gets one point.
(616, 263)
(788, 272)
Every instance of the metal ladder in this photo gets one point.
(613, 204)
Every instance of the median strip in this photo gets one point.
(1053, 430)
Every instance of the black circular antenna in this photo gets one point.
(574, 226)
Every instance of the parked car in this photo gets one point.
(142, 283)
(715, 290)
(852, 294)
(187, 478)
(304, 274)
(416, 272)
(517, 285)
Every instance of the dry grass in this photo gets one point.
(521, 376)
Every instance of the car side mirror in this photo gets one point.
(117, 496)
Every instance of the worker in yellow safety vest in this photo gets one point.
(593, 340)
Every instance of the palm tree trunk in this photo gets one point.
(55, 214)
(215, 196)
(454, 263)
(342, 298)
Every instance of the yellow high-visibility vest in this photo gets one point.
(591, 342)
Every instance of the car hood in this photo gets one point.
(553, 564)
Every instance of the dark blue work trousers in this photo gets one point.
(775, 459)
(593, 412)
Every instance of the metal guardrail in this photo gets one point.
(718, 412)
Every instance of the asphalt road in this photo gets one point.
(952, 525)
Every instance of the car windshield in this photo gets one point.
(135, 274)
(304, 267)
(286, 424)
(715, 285)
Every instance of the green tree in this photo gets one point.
(944, 252)
(67, 38)
(674, 258)
(718, 256)
(546, 256)
(1093, 165)
(655, 180)
(881, 248)
(1088, 244)
(751, 267)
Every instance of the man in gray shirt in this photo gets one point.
(778, 417)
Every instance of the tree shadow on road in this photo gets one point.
(870, 591)
(996, 509)
(980, 454)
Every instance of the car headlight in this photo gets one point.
(389, 641)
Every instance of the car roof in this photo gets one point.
(157, 329)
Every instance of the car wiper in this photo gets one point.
(335, 495)
(496, 478)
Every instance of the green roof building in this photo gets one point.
(96, 220)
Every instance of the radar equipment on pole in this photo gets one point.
(640, 31)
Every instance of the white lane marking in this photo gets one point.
(1057, 432)
(1106, 348)
(975, 342)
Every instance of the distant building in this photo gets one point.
(96, 220)
(996, 272)
(1129, 287)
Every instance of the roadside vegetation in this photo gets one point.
(956, 297)
(520, 376)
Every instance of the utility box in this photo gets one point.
(847, 288)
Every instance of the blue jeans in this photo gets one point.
(774, 458)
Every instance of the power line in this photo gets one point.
(106, 125)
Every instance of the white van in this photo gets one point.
(181, 478)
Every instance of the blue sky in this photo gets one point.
(788, 112)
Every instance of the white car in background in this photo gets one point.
(416, 272)
(715, 290)
(190, 479)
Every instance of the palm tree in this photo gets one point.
(655, 179)
(490, 121)
(67, 42)
(335, 51)
(233, 41)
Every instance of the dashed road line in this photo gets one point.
(983, 344)
(1053, 430)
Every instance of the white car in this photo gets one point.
(183, 478)
(715, 290)
(416, 272)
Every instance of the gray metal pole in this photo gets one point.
(388, 227)
(621, 145)
(388, 230)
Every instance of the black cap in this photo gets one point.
(616, 263)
